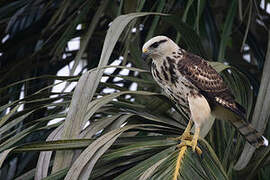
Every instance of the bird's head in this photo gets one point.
(158, 47)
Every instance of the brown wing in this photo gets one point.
(209, 82)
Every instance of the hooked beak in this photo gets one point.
(145, 54)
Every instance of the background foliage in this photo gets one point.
(117, 124)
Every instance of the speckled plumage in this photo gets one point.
(190, 81)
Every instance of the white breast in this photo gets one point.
(179, 89)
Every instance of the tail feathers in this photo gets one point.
(237, 119)
(251, 135)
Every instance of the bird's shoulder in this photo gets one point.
(209, 82)
(200, 72)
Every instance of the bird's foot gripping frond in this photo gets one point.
(186, 136)
(192, 144)
(187, 140)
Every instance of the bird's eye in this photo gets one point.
(154, 45)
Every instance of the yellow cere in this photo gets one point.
(145, 50)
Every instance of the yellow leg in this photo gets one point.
(193, 143)
(186, 140)
(200, 112)
(195, 138)
(186, 134)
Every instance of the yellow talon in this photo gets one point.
(186, 140)
(192, 144)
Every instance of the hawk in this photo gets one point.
(190, 81)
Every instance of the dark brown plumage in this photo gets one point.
(209, 82)
(190, 81)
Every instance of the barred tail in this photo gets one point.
(251, 135)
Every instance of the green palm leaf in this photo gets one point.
(104, 129)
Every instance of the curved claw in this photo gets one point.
(186, 140)
(192, 144)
